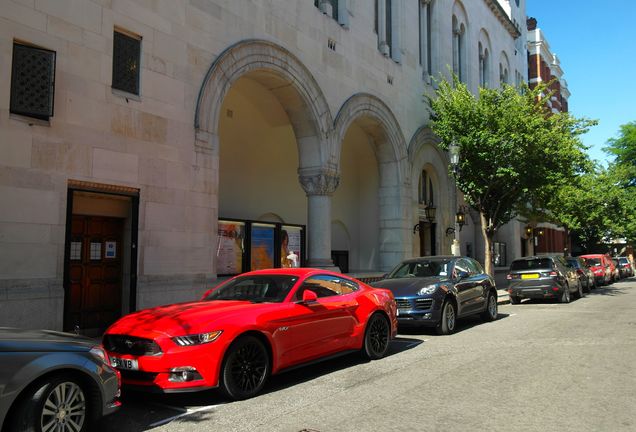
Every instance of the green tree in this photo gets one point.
(623, 148)
(512, 149)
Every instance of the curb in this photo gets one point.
(502, 297)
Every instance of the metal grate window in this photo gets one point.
(32, 81)
(126, 62)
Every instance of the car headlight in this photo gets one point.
(197, 339)
(427, 290)
(99, 352)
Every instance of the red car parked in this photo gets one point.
(602, 267)
(253, 325)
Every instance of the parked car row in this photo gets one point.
(561, 278)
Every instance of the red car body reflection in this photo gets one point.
(253, 325)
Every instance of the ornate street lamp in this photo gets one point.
(460, 217)
(453, 150)
(430, 212)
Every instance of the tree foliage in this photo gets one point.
(513, 150)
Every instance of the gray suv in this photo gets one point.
(52, 381)
(540, 277)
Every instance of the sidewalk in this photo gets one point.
(502, 297)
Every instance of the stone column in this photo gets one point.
(319, 185)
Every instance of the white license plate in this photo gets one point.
(121, 363)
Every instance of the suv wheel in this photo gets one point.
(448, 320)
(565, 296)
(515, 299)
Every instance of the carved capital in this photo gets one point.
(319, 183)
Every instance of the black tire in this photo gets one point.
(491, 312)
(515, 300)
(448, 320)
(245, 369)
(377, 337)
(58, 403)
(579, 291)
(565, 296)
(588, 287)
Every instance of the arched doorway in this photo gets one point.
(262, 127)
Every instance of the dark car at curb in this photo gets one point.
(624, 266)
(54, 381)
(435, 291)
(586, 276)
(543, 277)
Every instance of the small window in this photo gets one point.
(76, 250)
(126, 62)
(96, 251)
(327, 286)
(328, 7)
(32, 81)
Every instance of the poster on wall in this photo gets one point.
(262, 246)
(229, 251)
(290, 247)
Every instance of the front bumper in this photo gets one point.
(418, 311)
(154, 372)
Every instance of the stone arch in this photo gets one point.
(425, 153)
(287, 78)
(377, 121)
(504, 68)
(485, 62)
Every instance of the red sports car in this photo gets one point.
(253, 325)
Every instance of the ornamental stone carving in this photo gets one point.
(322, 183)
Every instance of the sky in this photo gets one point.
(595, 42)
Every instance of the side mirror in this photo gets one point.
(309, 296)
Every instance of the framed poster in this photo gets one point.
(230, 248)
(290, 248)
(110, 249)
(262, 250)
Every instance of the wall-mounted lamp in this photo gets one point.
(453, 150)
(528, 231)
(460, 217)
(430, 212)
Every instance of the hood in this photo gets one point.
(183, 318)
(403, 287)
(14, 339)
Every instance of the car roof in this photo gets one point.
(432, 257)
(296, 271)
(534, 257)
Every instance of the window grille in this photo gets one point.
(126, 62)
(32, 81)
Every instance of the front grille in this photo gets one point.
(403, 303)
(139, 376)
(423, 304)
(131, 345)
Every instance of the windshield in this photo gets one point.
(257, 289)
(573, 262)
(593, 261)
(423, 268)
(532, 264)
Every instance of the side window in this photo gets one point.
(461, 266)
(327, 286)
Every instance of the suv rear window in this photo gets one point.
(532, 264)
(593, 261)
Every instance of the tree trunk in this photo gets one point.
(487, 236)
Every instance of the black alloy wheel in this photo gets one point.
(377, 336)
(448, 321)
(245, 368)
(579, 292)
(56, 404)
(491, 312)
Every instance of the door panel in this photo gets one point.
(95, 273)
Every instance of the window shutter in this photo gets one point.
(32, 81)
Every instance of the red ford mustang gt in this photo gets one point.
(253, 325)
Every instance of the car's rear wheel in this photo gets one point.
(245, 368)
(57, 404)
(515, 300)
(448, 321)
(565, 296)
(491, 312)
(579, 291)
(377, 336)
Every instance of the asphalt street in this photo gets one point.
(542, 366)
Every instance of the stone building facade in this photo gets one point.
(244, 122)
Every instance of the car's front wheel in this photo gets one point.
(448, 321)
(377, 337)
(579, 291)
(56, 404)
(491, 312)
(245, 368)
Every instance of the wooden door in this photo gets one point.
(95, 270)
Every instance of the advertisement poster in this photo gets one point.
(229, 252)
(290, 246)
(262, 247)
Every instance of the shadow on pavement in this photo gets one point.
(144, 411)
(463, 324)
